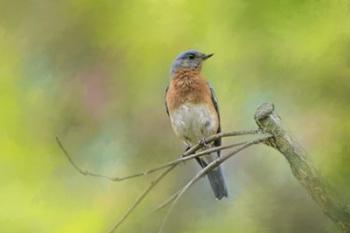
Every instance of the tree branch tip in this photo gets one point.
(263, 111)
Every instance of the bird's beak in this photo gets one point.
(206, 56)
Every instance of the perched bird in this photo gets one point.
(192, 106)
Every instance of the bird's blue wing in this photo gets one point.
(166, 106)
(216, 105)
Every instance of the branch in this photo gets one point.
(175, 197)
(167, 201)
(196, 155)
(172, 165)
(275, 136)
(166, 165)
(302, 167)
(183, 159)
(141, 197)
(189, 154)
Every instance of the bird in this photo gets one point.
(192, 106)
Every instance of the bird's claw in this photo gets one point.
(203, 142)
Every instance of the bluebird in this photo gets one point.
(192, 106)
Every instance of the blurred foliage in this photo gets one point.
(94, 73)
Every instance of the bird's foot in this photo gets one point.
(203, 142)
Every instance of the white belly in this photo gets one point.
(193, 122)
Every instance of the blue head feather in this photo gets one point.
(190, 59)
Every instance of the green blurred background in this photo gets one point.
(94, 73)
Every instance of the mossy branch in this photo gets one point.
(302, 167)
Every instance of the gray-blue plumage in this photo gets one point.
(190, 59)
(194, 121)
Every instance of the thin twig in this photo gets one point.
(86, 172)
(232, 134)
(193, 156)
(166, 202)
(150, 171)
(203, 172)
(184, 159)
(141, 197)
(152, 185)
(170, 166)
(172, 197)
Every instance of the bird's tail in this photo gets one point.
(217, 183)
(215, 176)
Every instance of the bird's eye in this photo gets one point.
(191, 56)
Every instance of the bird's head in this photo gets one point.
(191, 59)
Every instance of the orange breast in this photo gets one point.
(188, 86)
